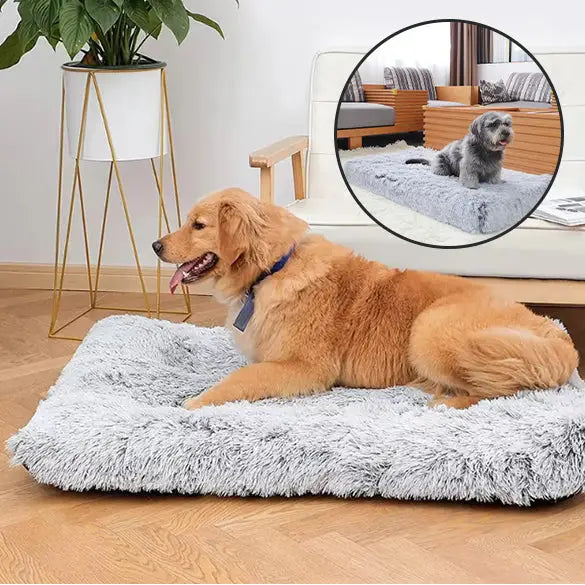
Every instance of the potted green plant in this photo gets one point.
(110, 35)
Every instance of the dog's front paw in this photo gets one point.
(196, 402)
(469, 185)
(205, 399)
(459, 402)
(192, 403)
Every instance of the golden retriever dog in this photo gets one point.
(330, 317)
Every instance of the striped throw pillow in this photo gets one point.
(528, 87)
(410, 78)
(354, 90)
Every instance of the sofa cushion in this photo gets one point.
(364, 115)
(558, 249)
(330, 211)
(354, 90)
(529, 87)
(523, 104)
(442, 104)
(492, 92)
(410, 78)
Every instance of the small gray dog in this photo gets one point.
(477, 157)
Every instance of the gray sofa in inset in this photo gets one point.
(374, 109)
(364, 115)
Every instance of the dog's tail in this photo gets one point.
(417, 161)
(504, 360)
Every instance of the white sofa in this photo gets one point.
(534, 250)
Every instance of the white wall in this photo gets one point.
(497, 71)
(228, 98)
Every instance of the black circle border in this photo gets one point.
(385, 227)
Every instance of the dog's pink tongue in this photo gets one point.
(179, 275)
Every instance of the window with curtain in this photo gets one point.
(424, 46)
(503, 50)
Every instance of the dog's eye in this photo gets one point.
(197, 225)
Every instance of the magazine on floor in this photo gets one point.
(567, 210)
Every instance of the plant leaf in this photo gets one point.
(207, 21)
(2, 2)
(29, 33)
(28, 28)
(55, 37)
(12, 49)
(154, 24)
(76, 26)
(143, 17)
(45, 13)
(104, 12)
(173, 14)
(137, 11)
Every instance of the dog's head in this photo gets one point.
(493, 130)
(232, 237)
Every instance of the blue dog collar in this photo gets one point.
(247, 310)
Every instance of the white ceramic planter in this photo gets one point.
(132, 103)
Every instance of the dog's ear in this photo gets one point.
(239, 222)
(475, 127)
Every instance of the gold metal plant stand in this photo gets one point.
(56, 330)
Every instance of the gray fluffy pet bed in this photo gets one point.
(489, 209)
(113, 422)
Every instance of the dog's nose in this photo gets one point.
(157, 247)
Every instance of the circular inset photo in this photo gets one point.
(448, 133)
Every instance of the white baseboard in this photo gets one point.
(112, 278)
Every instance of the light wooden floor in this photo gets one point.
(50, 536)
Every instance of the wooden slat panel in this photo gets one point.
(520, 161)
(516, 162)
(461, 129)
(545, 133)
(523, 144)
(550, 119)
(518, 123)
(511, 152)
(349, 132)
(520, 138)
(407, 106)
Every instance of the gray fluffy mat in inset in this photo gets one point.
(113, 421)
(489, 209)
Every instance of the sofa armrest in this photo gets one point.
(265, 159)
(379, 94)
(467, 95)
(407, 103)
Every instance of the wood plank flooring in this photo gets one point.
(51, 536)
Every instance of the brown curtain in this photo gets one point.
(485, 38)
(463, 53)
